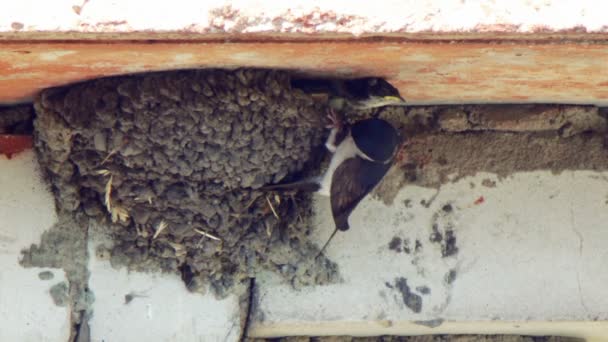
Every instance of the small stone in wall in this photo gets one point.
(45, 275)
(488, 183)
(454, 120)
(425, 290)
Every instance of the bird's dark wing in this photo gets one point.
(377, 138)
(351, 181)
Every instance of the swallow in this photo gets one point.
(362, 153)
(359, 93)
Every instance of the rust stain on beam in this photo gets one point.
(425, 73)
(14, 144)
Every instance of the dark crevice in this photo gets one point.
(554, 38)
(250, 305)
(17, 120)
(81, 330)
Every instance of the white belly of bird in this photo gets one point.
(347, 149)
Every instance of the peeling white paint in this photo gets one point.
(161, 310)
(27, 209)
(245, 57)
(183, 58)
(54, 55)
(307, 16)
(531, 249)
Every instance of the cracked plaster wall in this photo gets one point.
(527, 258)
(309, 17)
(498, 221)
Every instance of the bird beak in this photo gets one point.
(394, 99)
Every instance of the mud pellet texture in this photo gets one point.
(173, 162)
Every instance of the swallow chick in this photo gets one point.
(359, 93)
(362, 154)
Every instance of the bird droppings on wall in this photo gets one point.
(443, 232)
(410, 299)
(395, 245)
(172, 162)
(405, 245)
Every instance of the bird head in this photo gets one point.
(380, 93)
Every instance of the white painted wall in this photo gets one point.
(27, 312)
(533, 251)
(161, 309)
(305, 16)
(532, 259)
(165, 312)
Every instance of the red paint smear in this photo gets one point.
(479, 200)
(12, 144)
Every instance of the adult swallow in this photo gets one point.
(362, 154)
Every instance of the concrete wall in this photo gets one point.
(500, 249)
(36, 302)
(510, 240)
(27, 209)
(529, 260)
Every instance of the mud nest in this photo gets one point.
(171, 162)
